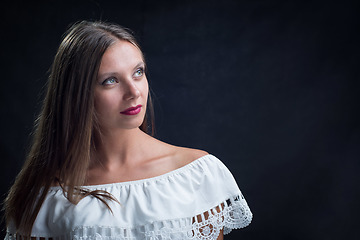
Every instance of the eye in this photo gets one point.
(139, 72)
(109, 81)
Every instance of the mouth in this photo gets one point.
(132, 110)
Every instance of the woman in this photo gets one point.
(94, 172)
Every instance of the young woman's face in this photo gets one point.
(121, 90)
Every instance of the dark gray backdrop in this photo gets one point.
(270, 87)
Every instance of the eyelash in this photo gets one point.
(108, 79)
(141, 70)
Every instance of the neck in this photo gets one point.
(119, 147)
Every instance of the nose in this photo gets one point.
(131, 91)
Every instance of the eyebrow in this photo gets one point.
(140, 64)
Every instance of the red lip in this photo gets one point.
(132, 110)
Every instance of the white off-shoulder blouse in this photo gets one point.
(193, 202)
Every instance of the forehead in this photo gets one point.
(121, 55)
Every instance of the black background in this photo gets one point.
(269, 87)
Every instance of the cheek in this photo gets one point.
(105, 103)
(145, 89)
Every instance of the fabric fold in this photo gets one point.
(193, 202)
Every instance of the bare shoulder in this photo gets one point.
(174, 156)
(184, 156)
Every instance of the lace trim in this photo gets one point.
(234, 213)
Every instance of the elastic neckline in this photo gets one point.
(140, 181)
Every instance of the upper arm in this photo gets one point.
(206, 228)
(221, 235)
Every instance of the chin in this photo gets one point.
(132, 125)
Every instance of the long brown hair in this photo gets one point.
(65, 129)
